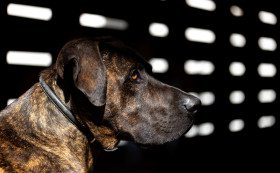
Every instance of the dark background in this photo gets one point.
(250, 149)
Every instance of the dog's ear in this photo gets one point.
(89, 73)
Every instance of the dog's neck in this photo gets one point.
(56, 127)
(35, 124)
(87, 115)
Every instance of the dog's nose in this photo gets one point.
(192, 104)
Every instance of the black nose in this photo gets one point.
(192, 104)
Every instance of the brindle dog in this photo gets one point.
(110, 93)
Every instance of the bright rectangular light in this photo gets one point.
(158, 29)
(236, 11)
(267, 70)
(206, 129)
(199, 67)
(160, 65)
(267, 43)
(267, 96)
(266, 121)
(203, 129)
(237, 68)
(208, 5)
(99, 21)
(207, 97)
(236, 125)
(237, 40)
(27, 11)
(43, 59)
(192, 132)
(267, 17)
(237, 97)
(200, 35)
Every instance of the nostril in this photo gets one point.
(192, 105)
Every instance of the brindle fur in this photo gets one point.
(92, 78)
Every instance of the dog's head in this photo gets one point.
(137, 107)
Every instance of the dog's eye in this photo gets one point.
(135, 76)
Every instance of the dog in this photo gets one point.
(97, 93)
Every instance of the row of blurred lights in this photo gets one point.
(160, 65)
(208, 36)
(203, 67)
(155, 29)
(43, 13)
(235, 125)
(209, 5)
(237, 97)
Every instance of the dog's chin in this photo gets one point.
(163, 138)
(157, 134)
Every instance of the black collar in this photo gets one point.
(65, 110)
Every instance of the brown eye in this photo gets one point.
(134, 76)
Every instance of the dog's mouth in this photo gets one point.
(159, 129)
(176, 125)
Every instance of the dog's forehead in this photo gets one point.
(123, 55)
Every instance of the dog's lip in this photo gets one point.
(195, 112)
(112, 148)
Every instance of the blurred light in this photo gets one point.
(237, 40)
(267, 96)
(207, 98)
(29, 58)
(268, 44)
(200, 35)
(208, 5)
(267, 70)
(266, 121)
(122, 143)
(28, 11)
(267, 17)
(237, 68)
(92, 20)
(10, 101)
(236, 11)
(158, 29)
(195, 67)
(206, 129)
(236, 125)
(99, 21)
(237, 97)
(192, 132)
(160, 65)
